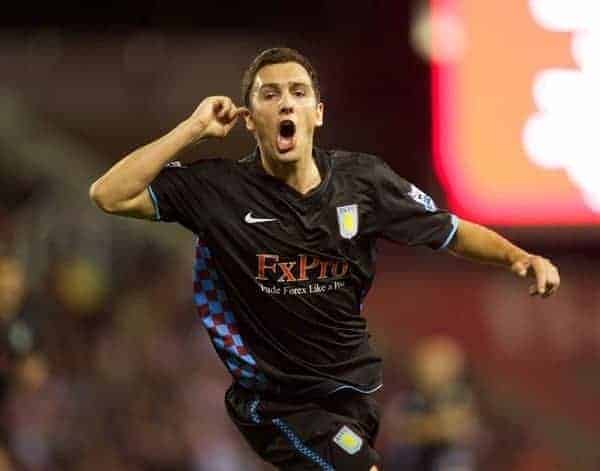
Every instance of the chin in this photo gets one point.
(288, 157)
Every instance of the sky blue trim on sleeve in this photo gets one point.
(454, 221)
(154, 202)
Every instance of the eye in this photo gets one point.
(299, 93)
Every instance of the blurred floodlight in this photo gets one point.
(563, 134)
(566, 15)
(437, 36)
(568, 95)
(584, 47)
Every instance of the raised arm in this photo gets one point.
(481, 244)
(123, 189)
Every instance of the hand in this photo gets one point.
(215, 116)
(546, 274)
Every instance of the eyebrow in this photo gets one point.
(277, 85)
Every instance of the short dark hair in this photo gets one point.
(277, 55)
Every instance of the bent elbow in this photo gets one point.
(99, 198)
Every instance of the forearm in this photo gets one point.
(133, 173)
(481, 244)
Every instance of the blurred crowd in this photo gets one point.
(99, 378)
(106, 367)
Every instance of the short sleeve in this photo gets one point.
(187, 194)
(407, 215)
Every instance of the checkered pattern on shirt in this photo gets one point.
(216, 314)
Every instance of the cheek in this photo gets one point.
(262, 128)
(261, 124)
(262, 118)
(310, 119)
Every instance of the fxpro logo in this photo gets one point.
(564, 133)
(303, 268)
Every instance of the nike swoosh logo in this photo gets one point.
(252, 220)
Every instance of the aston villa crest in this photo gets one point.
(348, 220)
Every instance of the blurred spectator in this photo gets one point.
(12, 287)
(434, 424)
(20, 367)
(16, 335)
(5, 460)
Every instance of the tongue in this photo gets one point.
(284, 144)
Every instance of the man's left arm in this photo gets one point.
(481, 244)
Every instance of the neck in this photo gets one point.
(302, 174)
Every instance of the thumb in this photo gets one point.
(521, 267)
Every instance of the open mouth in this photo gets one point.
(285, 138)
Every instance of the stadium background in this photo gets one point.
(104, 364)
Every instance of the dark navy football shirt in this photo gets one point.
(280, 277)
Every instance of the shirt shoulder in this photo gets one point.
(212, 165)
(352, 160)
(215, 172)
(370, 168)
(351, 157)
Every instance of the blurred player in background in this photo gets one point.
(285, 257)
(434, 423)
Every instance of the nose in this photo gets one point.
(285, 106)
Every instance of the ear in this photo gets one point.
(320, 111)
(250, 126)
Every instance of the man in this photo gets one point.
(434, 421)
(285, 257)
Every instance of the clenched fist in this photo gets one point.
(215, 116)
